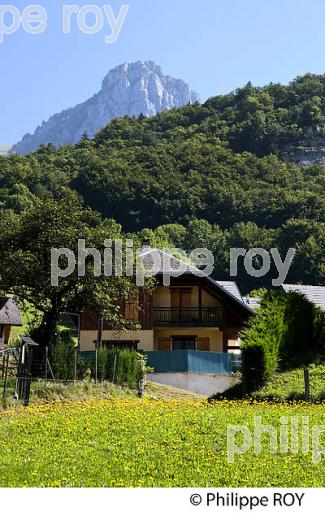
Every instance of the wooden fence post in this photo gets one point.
(75, 365)
(243, 375)
(114, 368)
(46, 358)
(5, 377)
(307, 384)
(142, 381)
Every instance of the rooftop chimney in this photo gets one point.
(146, 247)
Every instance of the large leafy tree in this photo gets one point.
(26, 241)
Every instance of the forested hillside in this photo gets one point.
(216, 175)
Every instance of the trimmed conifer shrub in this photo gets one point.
(287, 332)
(62, 357)
(119, 366)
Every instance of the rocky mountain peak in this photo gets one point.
(130, 89)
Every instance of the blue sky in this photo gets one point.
(215, 45)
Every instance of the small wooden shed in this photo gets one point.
(9, 317)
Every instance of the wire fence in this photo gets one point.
(20, 368)
(23, 365)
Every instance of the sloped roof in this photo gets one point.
(253, 303)
(29, 341)
(313, 293)
(168, 263)
(171, 265)
(9, 312)
(232, 288)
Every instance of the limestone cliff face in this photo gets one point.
(310, 149)
(128, 90)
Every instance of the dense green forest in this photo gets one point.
(218, 175)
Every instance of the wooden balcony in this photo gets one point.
(188, 316)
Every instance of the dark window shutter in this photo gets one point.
(175, 298)
(186, 295)
(131, 307)
(203, 344)
(164, 344)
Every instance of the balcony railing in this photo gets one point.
(191, 361)
(188, 316)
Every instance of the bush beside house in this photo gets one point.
(287, 332)
(119, 366)
(122, 367)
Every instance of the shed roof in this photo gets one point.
(29, 341)
(9, 312)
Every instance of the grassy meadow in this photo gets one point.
(290, 385)
(123, 441)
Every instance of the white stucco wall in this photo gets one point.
(204, 384)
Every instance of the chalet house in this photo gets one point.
(9, 317)
(188, 326)
(193, 313)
